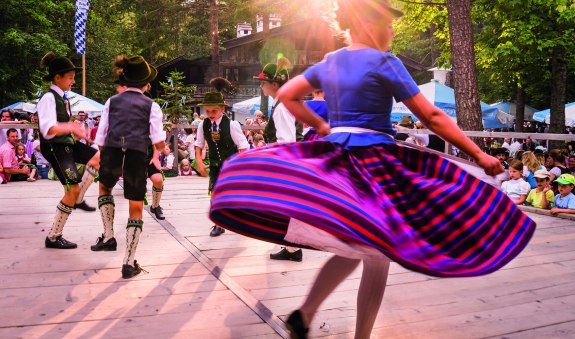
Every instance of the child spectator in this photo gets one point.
(530, 166)
(541, 196)
(24, 161)
(565, 200)
(557, 167)
(42, 164)
(185, 168)
(168, 167)
(516, 188)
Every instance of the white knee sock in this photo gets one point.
(156, 196)
(62, 213)
(133, 231)
(107, 209)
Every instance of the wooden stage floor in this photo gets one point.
(226, 287)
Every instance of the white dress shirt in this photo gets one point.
(47, 112)
(235, 130)
(284, 122)
(157, 133)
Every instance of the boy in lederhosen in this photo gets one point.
(128, 120)
(58, 146)
(282, 127)
(224, 137)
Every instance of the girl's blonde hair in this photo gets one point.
(530, 160)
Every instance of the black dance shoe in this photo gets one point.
(216, 231)
(109, 245)
(284, 254)
(84, 207)
(158, 212)
(59, 243)
(129, 271)
(296, 326)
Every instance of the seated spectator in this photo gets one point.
(541, 196)
(8, 118)
(530, 166)
(558, 167)
(259, 119)
(529, 144)
(572, 164)
(186, 168)
(42, 164)
(189, 142)
(516, 188)
(515, 146)
(196, 119)
(502, 154)
(3, 179)
(258, 141)
(565, 200)
(8, 160)
(403, 127)
(205, 160)
(169, 165)
(23, 160)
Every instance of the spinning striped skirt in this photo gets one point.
(413, 206)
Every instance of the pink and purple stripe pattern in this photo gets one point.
(417, 208)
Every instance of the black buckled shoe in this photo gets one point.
(296, 326)
(216, 231)
(109, 245)
(284, 254)
(129, 271)
(158, 212)
(85, 207)
(59, 243)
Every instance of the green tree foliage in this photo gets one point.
(174, 96)
(29, 29)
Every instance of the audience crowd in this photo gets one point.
(534, 175)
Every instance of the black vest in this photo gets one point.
(62, 115)
(129, 121)
(270, 129)
(222, 149)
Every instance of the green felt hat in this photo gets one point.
(275, 72)
(213, 99)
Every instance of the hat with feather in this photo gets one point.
(216, 98)
(275, 72)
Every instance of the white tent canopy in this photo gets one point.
(245, 109)
(545, 115)
(79, 103)
(511, 108)
(443, 97)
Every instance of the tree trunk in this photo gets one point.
(519, 109)
(464, 71)
(214, 29)
(558, 83)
